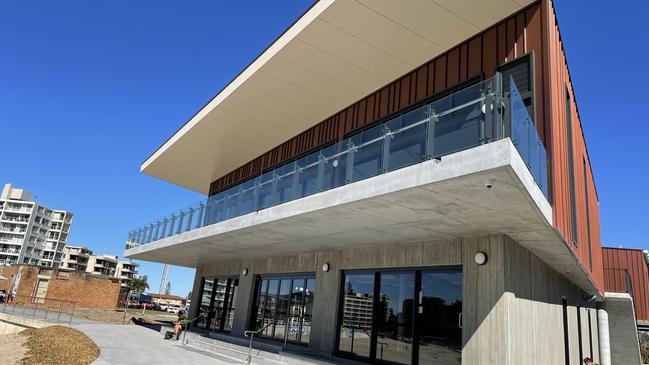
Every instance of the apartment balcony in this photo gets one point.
(10, 251)
(11, 241)
(12, 229)
(14, 220)
(17, 209)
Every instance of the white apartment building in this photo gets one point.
(80, 258)
(31, 233)
(75, 258)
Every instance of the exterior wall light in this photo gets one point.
(326, 267)
(481, 258)
(245, 272)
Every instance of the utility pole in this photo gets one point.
(164, 279)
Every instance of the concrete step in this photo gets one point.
(236, 352)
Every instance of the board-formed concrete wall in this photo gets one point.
(512, 306)
(623, 331)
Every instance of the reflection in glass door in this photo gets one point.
(217, 303)
(402, 317)
(285, 307)
(394, 320)
(440, 339)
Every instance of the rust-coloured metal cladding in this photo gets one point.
(616, 261)
(558, 87)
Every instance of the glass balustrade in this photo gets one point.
(478, 114)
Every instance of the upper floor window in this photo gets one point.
(522, 71)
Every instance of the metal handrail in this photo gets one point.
(49, 305)
(201, 315)
(252, 336)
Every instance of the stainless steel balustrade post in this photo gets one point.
(181, 217)
(189, 220)
(201, 215)
(296, 180)
(319, 182)
(385, 152)
(349, 170)
(430, 132)
(171, 225)
(273, 188)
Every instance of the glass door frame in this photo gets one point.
(226, 301)
(255, 308)
(417, 325)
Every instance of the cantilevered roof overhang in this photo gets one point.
(336, 53)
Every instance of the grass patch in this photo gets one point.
(58, 345)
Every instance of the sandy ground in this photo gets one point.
(12, 348)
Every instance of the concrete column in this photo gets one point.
(325, 306)
(604, 340)
(245, 299)
(196, 292)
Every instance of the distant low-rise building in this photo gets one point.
(126, 271)
(80, 258)
(75, 258)
(167, 300)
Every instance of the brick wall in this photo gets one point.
(87, 290)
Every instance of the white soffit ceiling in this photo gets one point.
(338, 52)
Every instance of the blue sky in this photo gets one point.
(89, 89)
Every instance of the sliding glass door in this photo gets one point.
(284, 307)
(402, 317)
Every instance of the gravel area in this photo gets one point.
(12, 348)
(58, 345)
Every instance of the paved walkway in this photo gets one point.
(126, 345)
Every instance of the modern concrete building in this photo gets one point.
(31, 233)
(394, 182)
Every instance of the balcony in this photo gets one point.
(11, 251)
(14, 219)
(12, 229)
(11, 241)
(474, 116)
(17, 209)
(468, 164)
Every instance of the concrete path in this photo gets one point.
(125, 345)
